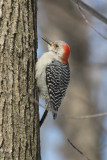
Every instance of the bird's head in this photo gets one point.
(60, 48)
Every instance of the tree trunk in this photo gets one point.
(19, 116)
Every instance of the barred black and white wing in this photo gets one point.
(57, 79)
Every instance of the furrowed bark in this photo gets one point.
(19, 116)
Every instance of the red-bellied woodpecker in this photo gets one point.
(53, 74)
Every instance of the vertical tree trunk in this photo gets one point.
(19, 117)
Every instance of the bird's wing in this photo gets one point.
(57, 79)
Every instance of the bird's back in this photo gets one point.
(57, 80)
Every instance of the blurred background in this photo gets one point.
(87, 91)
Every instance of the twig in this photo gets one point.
(88, 116)
(91, 10)
(34, 101)
(77, 149)
(44, 114)
(72, 117)
(87, 22)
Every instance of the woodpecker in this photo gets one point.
(53, 74)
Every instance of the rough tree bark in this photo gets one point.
(19, 117)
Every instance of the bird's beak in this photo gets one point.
(47, 40)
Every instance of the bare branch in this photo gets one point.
(88, 116)
(87, 22)
(77, 149)
(69, 116)
(91, 10)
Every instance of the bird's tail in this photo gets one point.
(54, 113)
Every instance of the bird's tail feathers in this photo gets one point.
(54, 113)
